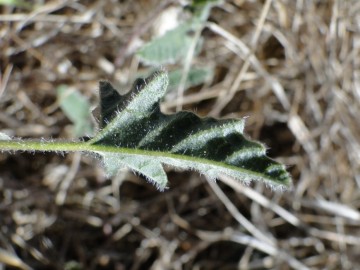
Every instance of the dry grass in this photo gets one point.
(292, 67)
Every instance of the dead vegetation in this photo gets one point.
(292, 67)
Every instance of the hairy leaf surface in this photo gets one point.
(136, 134)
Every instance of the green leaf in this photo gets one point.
(73, 265)
(136, 134)
(195, 77)
(170, 47)
(174, 44)
(77, 108)
(201, 8)
(16, 3)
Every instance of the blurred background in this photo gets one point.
(292, 68)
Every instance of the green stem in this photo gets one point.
(44, 146)
(65, 146)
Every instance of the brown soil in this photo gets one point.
(299, 89)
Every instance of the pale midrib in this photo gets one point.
(58, 146)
